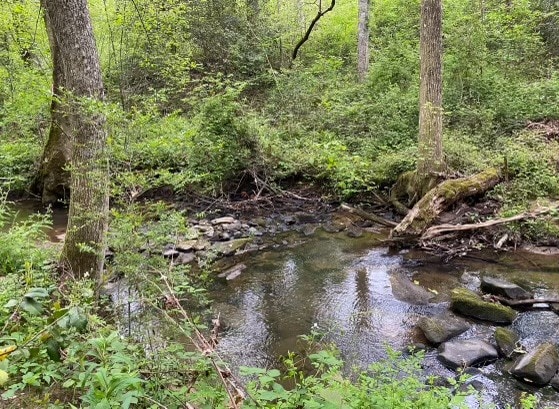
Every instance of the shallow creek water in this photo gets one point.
(351, 289)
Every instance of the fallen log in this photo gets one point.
(369, 216)
(435, 231)
(441, 197)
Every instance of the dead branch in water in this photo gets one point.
(368, 216)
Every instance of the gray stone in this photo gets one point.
(305, 218)
(506, 340)
(223, 220)
(186, 246)
(354, 231)
(497, 286)
(442, 328)
(555, 382)
(232, 226)
(404, 290)
(466, 352)
(229, 247)
(468, 303)
(171, 253)
(236, 268)
(332, 227)
(309, 229)
(184, 258)
(538, 366)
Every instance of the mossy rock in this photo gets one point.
(468, 303)
(506, 340)
(538, 366)
(442, 328)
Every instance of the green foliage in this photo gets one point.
(393, 383)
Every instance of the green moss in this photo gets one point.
(468, 303)
(506, 340)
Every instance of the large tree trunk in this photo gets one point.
(363, 40)
(52, 180)
(430, 145)
(440, 198)
(72, 32)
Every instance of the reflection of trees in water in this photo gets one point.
(362, 311)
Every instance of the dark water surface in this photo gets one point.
(351, 289)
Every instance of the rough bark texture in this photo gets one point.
(424, 213)
(430, 146)
(70, 24)
(52, 180)
(363, 40)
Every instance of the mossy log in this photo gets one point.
(441, 197)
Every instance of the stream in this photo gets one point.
(352, 291)
(356, 293)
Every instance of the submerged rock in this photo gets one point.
(354, 231)
(538, 366)
(496, 286)
(506, 340)
(463, 353)
(468, 303)
(442, 328)
(309, 229)
(404, 290)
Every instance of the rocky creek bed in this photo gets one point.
(284, 274)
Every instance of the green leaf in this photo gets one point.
(10, 304)
(37, 293)
(53, 350)
(32, 306)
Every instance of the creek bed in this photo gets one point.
(350, 289)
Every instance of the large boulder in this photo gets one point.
(405, 290)
(442, 328)
(538, 366)
(468, 303)
(506, 340)
(496, 286)
(463, 353)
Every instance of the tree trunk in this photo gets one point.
(52, 180)
(441, 197)
(363, 40)
(430, 145)
(70, 23)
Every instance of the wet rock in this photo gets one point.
(288, 220)
(354, 231)
(229, 247)
(555, 382)
(253, 231)
(332, 227)
(442, 328)
(184, 258)
(305, 218)
(468, 303)
(223, 220)
(224, 236)
(506, 340)
(235, 226)
(496, 286)
(466, 352)
(404, 290)
(309, 229)
(232, 272)
(538, 366)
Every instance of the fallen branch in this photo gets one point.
(435, 231)
(368, 216)
(532, 301)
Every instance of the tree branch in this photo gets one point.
(318, 16)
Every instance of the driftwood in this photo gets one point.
(441, 197)
(435, 231)
(368, 216)
(531, 301)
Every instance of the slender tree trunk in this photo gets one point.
(52, 180)
(72, 32)
(363, 40)
(430, 160)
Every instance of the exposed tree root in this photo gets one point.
(435, 231)
(441, 197)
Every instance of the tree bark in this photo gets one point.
(363, 40)
(441, 197)
(72, 32)
(430, 145)
(52, 180)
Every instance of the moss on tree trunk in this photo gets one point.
(441, 197)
